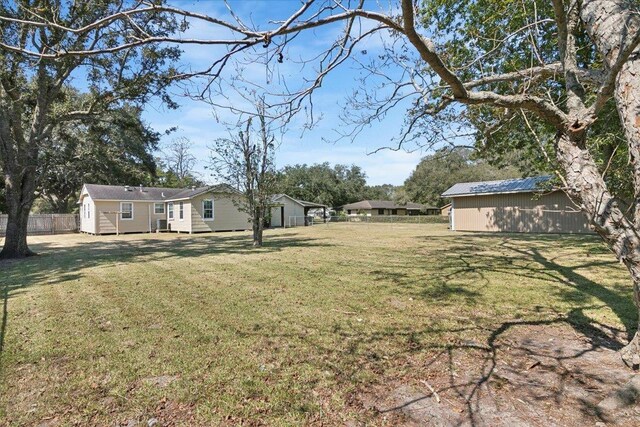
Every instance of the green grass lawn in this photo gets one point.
(204, 329)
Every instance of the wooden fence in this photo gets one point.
(46, 224)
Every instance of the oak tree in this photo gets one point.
(34, 71)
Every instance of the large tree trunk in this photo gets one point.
(612, 24)
(19, 202)
(627, 95)
(587, 187)
(258, 227)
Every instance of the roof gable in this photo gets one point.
(302, 203)
(190, 193)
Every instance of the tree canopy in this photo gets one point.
(115, 149)
(439, 171)
(322, 183)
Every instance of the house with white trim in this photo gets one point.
(115, 209)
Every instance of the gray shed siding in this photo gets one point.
(291, 209)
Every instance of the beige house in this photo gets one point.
(112, 209)
(387, 207)
(445, 210)
(289, 212)
(514, 205)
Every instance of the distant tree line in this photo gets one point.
(341, 184)
(119, 150)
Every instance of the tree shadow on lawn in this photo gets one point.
(572, 368)
(57, 264)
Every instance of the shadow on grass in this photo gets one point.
(460, 275)
(55, 265)
(470, 265)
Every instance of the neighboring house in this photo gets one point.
(109, 209)
(514, 205)
(445, 210)
(289, 212)
(386, 207)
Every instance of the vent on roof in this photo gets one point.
(127, 188)
(141, 188)
(193, 188)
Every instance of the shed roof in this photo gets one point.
(522, 185)
(303, 203)
(121, 192)
(384, 204)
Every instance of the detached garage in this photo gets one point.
(514, 205)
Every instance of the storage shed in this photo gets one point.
(526, 205)
(289, 212)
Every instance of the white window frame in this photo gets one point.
(122, 218)
(204, 210)
(181, 211)
(88, 211)
(155, 208)
(170, 215)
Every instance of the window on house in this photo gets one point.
(126, 210)
(158, 208)
(170, 209)
(207, 209)
(380, 211)
(88, 210)
(394, 211)
(349, 211)
(181, 213)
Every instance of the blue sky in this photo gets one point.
(195, 120)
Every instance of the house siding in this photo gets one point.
(184, 225)
(519, 213)
(106, 221)
(374, 212)
(226, 215)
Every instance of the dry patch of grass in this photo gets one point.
(204, 329)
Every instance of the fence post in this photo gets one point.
(53, 224)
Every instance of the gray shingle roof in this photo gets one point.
(384, 204)
(120, 192)
(189, 193)
(522, 185)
